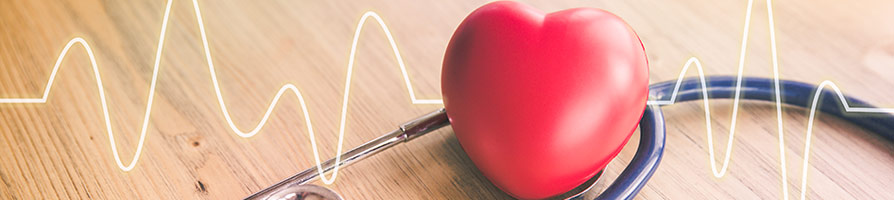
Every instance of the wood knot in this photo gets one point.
(200, 186)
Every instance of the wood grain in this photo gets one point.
(60, 149)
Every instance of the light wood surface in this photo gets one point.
(60, 149)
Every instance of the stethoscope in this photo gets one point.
(652, 133)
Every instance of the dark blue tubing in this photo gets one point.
(652, 126)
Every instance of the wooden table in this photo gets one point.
(60, 149)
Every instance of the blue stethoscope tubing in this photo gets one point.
(652, 125)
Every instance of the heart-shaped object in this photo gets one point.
(542, 102)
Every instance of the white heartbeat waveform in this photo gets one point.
(285, 88)
(732, 129)
(414, 100)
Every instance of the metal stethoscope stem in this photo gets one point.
(406, 132)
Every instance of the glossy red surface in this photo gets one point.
(542, 102)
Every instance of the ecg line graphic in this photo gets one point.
(732, 129)
(285, 88)
(290, 87)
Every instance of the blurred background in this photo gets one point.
(60, 149)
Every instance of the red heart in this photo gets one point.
(542, 102)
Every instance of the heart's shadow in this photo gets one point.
(437, 164)
(468, 177)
